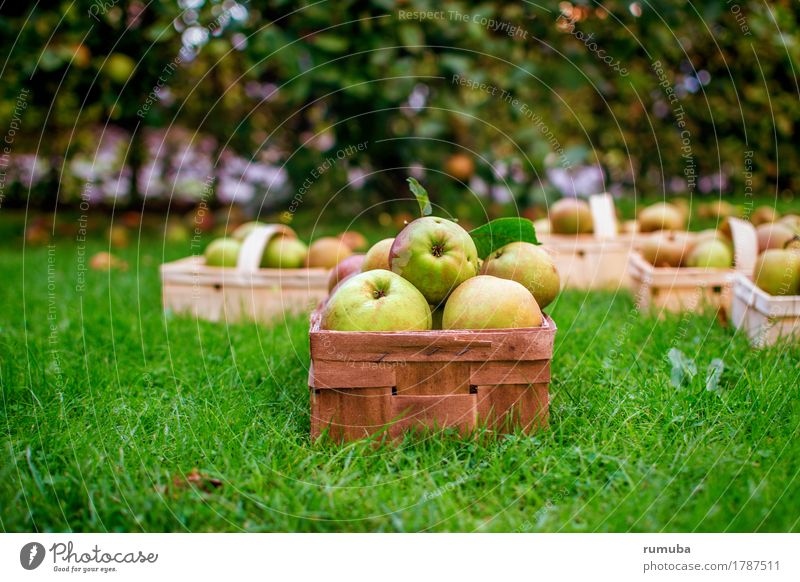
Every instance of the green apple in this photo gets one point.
(377, 256)
(436, 255)
(223, 252)
(377, 300)
(326, 252)
(711, 254)
(284, 252)
(777, 271)
(571, 216)
(486, 302)
(529, 265)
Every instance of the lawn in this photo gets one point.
(108, 407)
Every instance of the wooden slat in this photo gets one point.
(427, 412)
(350, 414)
(507, 406)
(489, 373)
(352, 374)
(193, 271)
(433, 346)
(432, 378)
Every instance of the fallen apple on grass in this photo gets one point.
(377, 300)
(436, 255)
(486, 302)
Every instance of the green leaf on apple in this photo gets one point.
(421, 194)
(502, 231)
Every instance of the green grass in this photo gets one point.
(106, 404)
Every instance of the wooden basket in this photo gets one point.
(362, 383)
(244, 292)
(680, 289)
(765, 318)
(592, 261)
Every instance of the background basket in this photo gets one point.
(245, 292)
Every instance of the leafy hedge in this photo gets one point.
(668, 97)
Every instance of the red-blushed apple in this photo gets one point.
(764, 215)
(436, 255)
(222, 252)
(486, 302)
(284, 252)
(326, 252)
(377, 256)
(773, 235)
(344, 269)
(571, 216)
(354, 239)
(377, 300)
(528, 264)
(243, 230)
(665, 249)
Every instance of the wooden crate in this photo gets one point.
(244, 292)
(593, 261)
(680, 289)
(363, 383)
(765, 318)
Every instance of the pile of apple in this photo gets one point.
(430, 277)
(285, 252)
(777, 270)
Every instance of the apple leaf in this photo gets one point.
(421, 194)
(502, 231)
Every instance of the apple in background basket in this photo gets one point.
(711, 254)
(284, 252)
(529, 265)
(355, 240)
(773, 235)
(344, 269)
(436, 255)
(223, 252)
(661, 216)
(377, 257)
(792, 221)
(241, 231)
(486, 302)
(377, 300)
(571, 216)
(777, 271)
(326, 252)
(764, 215)
(665, 249)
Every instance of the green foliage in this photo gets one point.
(512, 84)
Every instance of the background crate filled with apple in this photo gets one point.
(259, 273)
(436, 328)
(585, 241)
(767, 306)
(676, 271)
